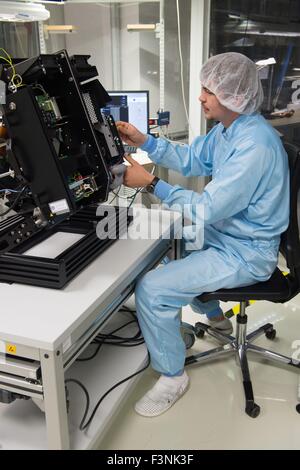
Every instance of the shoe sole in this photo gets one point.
(166, 409)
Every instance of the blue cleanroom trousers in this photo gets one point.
(161, 293)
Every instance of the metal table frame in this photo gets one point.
(54, 363)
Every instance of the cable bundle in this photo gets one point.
(114, 340)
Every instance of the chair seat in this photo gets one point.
(276, 289)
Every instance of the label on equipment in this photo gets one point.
(59, 207)
(2, 92)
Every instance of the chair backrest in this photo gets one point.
(290, 243)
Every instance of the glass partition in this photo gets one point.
(19, 39)
(260, 30)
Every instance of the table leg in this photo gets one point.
(55, 400)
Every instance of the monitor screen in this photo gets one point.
(130, 106)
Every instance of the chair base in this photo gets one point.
(239, 346)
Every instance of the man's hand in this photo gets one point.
(130, 134)
(136, 176)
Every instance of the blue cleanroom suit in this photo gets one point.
(246, 208)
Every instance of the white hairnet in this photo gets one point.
(234, 79)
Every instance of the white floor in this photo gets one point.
(211, 414)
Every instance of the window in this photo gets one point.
(262, 29)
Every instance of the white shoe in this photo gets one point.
(224, 326)
(162, 396)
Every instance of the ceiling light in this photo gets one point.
(22, 12)
(55, 2)
(275, 33)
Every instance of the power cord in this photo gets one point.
(109, 338)
(112, 339)
(87, 396)
(15, 76)
(111, 389)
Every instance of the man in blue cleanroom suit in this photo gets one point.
(246, 208)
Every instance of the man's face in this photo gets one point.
(211, 106)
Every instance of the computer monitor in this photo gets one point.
(130, 106)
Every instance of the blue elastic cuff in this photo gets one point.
(162, 189)
(174, 375)
(150, 144)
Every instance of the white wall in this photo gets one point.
(173, 94)
(130, 49)
(55, 42)
(149, 55)
(139, 52)
(149, 59)
(93, 37)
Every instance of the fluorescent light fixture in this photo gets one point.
(55, 2)
(264, 62)
(141, 27)
(110, 1)
(275, 33)
(22, 12)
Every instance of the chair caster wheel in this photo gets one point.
(298, 408)
(253, 410)
(198, 331)
(189, 340)
(271, 334)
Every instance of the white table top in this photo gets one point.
(44, 318)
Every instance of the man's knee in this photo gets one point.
(147, 288)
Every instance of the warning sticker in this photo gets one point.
(11, 348)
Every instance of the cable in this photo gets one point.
(15, 202)
(134, 196)
(100, 339)
(82, 428)
(87, 406)
(15, 75)
(40, 87)
(112, 338)
(120, 342)
(140, 189)
(84, 359)
(119, 196)
(181, 68)
(116, 195)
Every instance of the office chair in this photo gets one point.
(278, 288)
